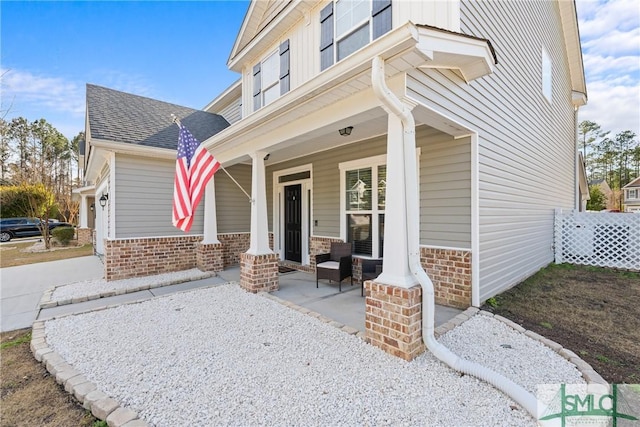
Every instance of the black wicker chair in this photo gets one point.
(335, 265)
(371, 268)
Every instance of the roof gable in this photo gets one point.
(263, 25)
(634, 183)
(123, 117)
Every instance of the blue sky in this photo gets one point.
(176, 51)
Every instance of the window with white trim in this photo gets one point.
(632, 194)
(364, 184)
(271, 77)
(348, 25)
(270, 82)
(546, 75)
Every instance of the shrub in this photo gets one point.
(63, 234)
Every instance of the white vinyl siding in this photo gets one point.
(144, 198)
(445, 172)
(546, 75)
(438, 13)
(232, 112)
(445, 189)
(526, 145)
(326, 181)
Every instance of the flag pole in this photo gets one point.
(175, 120)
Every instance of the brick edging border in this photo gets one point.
(98, 403)
(47, 297)
(109, 410)
(348, 329)
(588, 373)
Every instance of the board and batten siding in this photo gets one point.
(304, 40)
(233, 208)
(526, 144)
(144, 198)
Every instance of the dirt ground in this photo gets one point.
(594, 312)
(29, 396)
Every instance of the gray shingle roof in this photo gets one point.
(123, 117)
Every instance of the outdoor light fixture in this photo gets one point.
(346, 131)
(103, 200)
(92, 207)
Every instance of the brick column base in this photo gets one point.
(85, 236)
(393, 319)
(259, 273)
(210, 257)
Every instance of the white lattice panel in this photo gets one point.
(598, 238)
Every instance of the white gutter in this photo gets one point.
(394, 106)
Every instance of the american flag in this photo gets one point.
(194, 168)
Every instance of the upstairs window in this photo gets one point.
(271, 77)
(632, 194)
(348, 25)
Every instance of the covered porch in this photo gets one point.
(330, 162)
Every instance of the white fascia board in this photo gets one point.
(391, 44)
(578, 98)
(243, 29)
(294, 11)
(96, 161)
(225, 97)
(100, 150)
(88, 190)
(571, 34)
(135, 150)
(471, 56)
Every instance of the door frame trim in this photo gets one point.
(278, 209)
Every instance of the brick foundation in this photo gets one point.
(319, 245)
(259, 273)
(147, 256)
(450, 272)
(393, 319)
(85, 236)
(210, 257)
(234, 245)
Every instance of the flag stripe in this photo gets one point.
(194, 168)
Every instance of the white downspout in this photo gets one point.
(394, 106)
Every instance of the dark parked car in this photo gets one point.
(24, 227)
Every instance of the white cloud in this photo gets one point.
(614, 107)
(610, 35)
(29, 91)
(615, 42)
(597, 18)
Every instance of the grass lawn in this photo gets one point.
(13, 253)
(595, 312)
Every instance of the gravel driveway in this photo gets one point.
(222, 356)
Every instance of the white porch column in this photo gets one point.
(259, 225)
(395, 269)
(84, 214)
(210, 218)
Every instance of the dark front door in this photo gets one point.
(293, 222)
